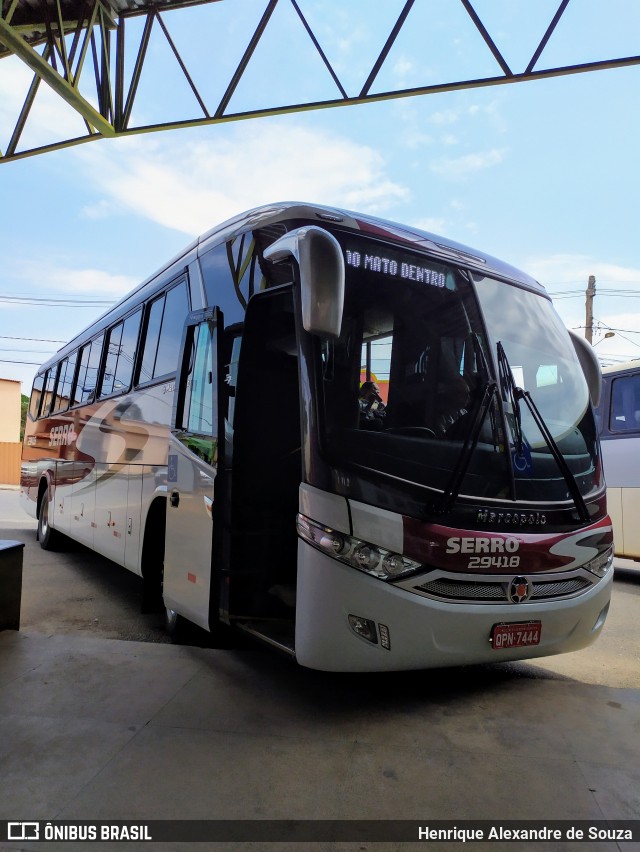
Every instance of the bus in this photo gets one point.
(208, 433)
(618, 418)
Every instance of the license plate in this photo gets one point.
(516, 634)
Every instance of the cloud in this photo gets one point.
(489, 113)
(565, 277)
(190, 186)
(103, 209)
(459, 168)
(433, 225)
(50, 118)
(445, 117)
(575, 269)
(64, 279)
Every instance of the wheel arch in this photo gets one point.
(45, 481)
(152, 553)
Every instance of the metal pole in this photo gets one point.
(591, 292)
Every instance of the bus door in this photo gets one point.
(191, 471)
(266, 469)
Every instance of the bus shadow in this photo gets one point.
(255, 670)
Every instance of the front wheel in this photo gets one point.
(48, 537)
(177, 627)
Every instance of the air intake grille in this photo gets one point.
(482, 590)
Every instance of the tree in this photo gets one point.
(24, 407)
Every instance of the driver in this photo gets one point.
(372, 409)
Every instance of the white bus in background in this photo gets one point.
(619, 424)
(209, 434)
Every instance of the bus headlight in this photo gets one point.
(367, 557)
(601, 564)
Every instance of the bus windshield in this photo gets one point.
(408, 381)
(543, 364)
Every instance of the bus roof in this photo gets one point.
(373, 226)
(621, 368)
(284, 211)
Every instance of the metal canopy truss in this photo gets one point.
(78, 48)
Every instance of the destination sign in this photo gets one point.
(384, 265)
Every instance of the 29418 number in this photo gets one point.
(494, 562)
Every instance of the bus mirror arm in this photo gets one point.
(321, 264)
(590, 366)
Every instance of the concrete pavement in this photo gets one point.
(101, 729)
(105, 729)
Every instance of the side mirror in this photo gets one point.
(590, 366)
(321, 264)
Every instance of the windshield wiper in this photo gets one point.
(484, 405)
(452, 490)
(515, 394)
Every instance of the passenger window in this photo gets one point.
(49, 384)
(65, 380)
(36, 396)
(79, 393)
(154, 321)
(128, 348)
(121, 352)
(175, 313)
(165, 322)
(113, 348)
(625, 404)
(88, 371)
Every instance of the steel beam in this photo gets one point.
(43, 70)
(116, 91)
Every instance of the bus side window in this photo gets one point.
(78, 392)
(88, 372)
(175, 311)
(121, 350)
(114, 336)
(67, 369)
(165, 320)
(154, 321)
(36, 396)
(49, 384)
(625, 404)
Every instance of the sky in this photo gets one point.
(543, 174)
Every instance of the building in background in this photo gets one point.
(9, 432)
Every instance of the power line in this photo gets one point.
(609, 295)
(7, 361)
(64, 299)
(572, 284)
(33, 339)
(25, 351)
(632, 342)
(54, 303)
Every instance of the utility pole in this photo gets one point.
(591, 293)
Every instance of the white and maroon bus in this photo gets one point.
(619, 421)
(210, 433)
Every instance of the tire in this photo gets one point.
(177, 627)
(49, 538)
